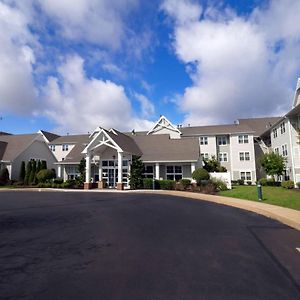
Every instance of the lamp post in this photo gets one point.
(259, 192)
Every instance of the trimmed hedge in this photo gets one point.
(44, 175)
(165, 184)
(200, 175)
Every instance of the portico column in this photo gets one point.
(59, 171)
(193, 167)
(87, 184)
(120, 171)
(157, 171)
(100, 170)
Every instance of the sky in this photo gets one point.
(68, 66)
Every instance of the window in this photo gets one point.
(223, 156)
(203, 140)
(174, 172)
(52, 148)
(276, 150)
(284, 150)
(65, 147)
(282, 128)
(222, 140)
(246, 176)
(243, 139)
(244, 156)
(148, 171)
(204, 156)
(275, 133)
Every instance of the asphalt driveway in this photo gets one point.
(61, 245)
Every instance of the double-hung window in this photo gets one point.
(243, 139)
(275, 133)
(222, 140)
(223, 157)
(276, 150)
(52, 148)
(246, 176)
(203, 140)
(205, 156)
(244, 156)
(65, 147)
(284, 150)
(282, 128)
(174, 172)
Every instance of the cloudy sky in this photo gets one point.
(70, 66)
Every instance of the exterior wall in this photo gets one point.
(225, 149)
(259, 152)
(211, 147)
(242, 166)
(59, 153)
(37, 150)
(173, 134)
(283, 139)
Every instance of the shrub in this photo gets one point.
(166, 184)
(70, 183)
(249, 182)
(219, 184)
(287, 184)
(263, 181)
(58, 180)
(45, 175)
(298, 185)
(234, 182)
(240, 181)
(272, 182)
(208, 188)
(200, 175)
(148, 183)
(185, 183)
(4, 176)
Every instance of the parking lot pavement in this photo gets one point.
(141, 246)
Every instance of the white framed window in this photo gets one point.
(275, 133)
(222, 140)
(174, 172)
(65, 147)
(203, 140)
(284, 150)
(244, 156)
(276, 150)
(243, 139)
(246, 176)
(52, 148)
(282, 128)
(223, 157)
(205, 156)
(148, 171)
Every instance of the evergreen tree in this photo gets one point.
(81, 171)
(28, 172)
(44, 165)
(39, 166)
(32, 173)
(22, 172)
(136, 173)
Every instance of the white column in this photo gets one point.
(120, 167)
(193, 167)
(59, 171)
(157, 171)
(88, 167)
(64, 173)
(100, 170)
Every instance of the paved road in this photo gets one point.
(134, 246)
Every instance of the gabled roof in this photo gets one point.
(160, 147)
(16, 144)
(4, 133)
(49, 135)
(216, 129)
(71, 139)
(163, 122)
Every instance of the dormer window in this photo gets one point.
(65, 147)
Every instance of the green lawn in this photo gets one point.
(271, 195)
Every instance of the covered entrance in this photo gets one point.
(112, 151)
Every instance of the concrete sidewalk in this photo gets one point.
(288, 216)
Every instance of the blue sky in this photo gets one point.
(68, 67)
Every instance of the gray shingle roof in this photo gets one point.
(215, 129)
(2, 148)
(49, 135)
(159, 147)
(16, 144)
(71, 139)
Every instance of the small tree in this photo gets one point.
(273, 164)
(200, 174)
(22, 172)
(32, 176)
(136, 173)
(213, 165)
(81, 171)
(28, 172)
(38, 166)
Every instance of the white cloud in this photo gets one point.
(17, 92)
(147, 107)
(243, 66)
(96, 21)
(79, 104)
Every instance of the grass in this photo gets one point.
(271, 195)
